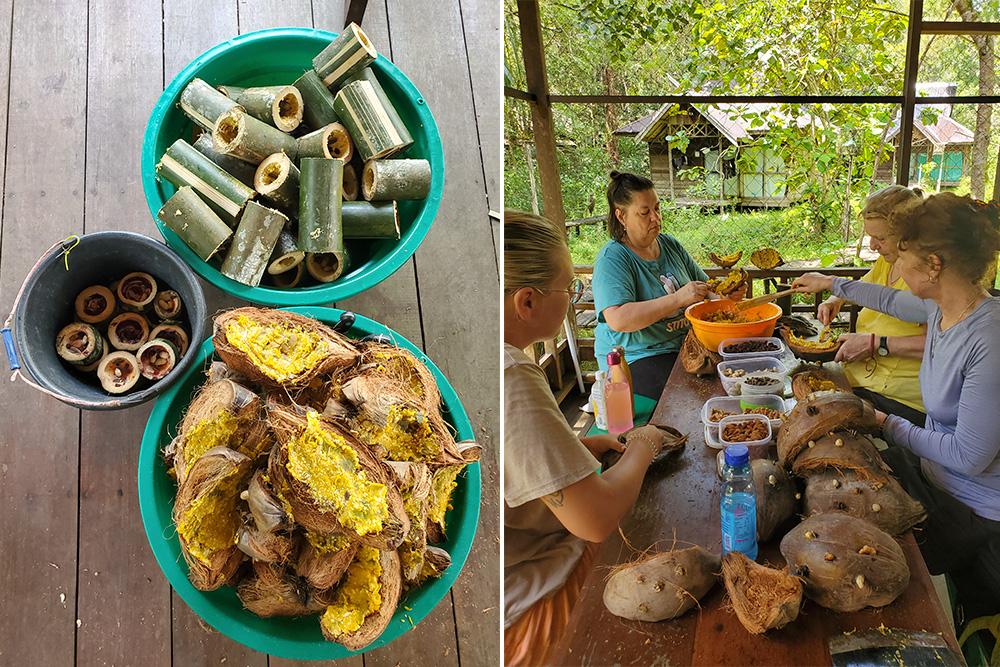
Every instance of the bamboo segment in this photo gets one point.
(385, 180)
(350, 188)
(277, 179)
(174, 333)
(156, 358)
(79, 344)
(289, 279)
(191, 219)
(242, 171)
(118, 372)
(128, 331)
(239, 134)
(374, 125)
(183, 165)
(364, 220)
(95, 304)
(204, 104)
(346, 55)
(251, 249)
(286, 254)
(278, 106)
(167, 305)
(230, 91)
(326, 266)
(320, 228)
(330, 142)
(317, 100)
(136, 291)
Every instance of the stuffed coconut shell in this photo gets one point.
(397, 372)
(841, 451)
(819, 414)
(733, 281)
(276, 347)
(726, 261)
(308, 507)
(273, 591)
(766, 258)
(215, 478)
(884, 504)
(846, 563)
(815, 379)
(775, 493)
(696, 358)
(661, 586)
(324, 568)
(762, 597)
(376, 622)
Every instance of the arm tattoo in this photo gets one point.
(554, 499)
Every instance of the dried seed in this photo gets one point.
(679, 571)
(798, 496)
(860, 581)
(812, 443)
(643, 608)
(772, 480)
(810, 535)
(867, 550)
(838, 443)
(876, 507)
(829, 557)
(835, 483)
(118, 372)
(658, 586)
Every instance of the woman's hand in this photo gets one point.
(692, 292)
(855, 348)
(880, 418)
(828, 310)
(812, 283)
(601, 444)
(737, 294)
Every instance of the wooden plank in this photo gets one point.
(911, 65)
(39, 438)
(124, 600)
(460, 308)
(260, 14)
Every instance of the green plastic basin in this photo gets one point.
(280, 56)
(292, 638)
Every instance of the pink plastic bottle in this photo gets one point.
(617, 396)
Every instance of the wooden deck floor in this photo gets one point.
(78, 582)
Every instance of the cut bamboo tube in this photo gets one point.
(320, 229)
(350, 187)
(386, 180)
(182, 165)
(374, 126)
(346, 55)
(277, 179)
(242, 171)
(278, 106)
(250, 251)
(128, 331)
(194, 222)
(136, 291)
(156, 358)
(204, 104)
(88, 368)
(239, 134)
(291, 278)
(286, 255)
(317, 100)
(79, 343)
(230, 91)
(331, 142)
(364, 220)
(326, 266)
(174, 333)
(167, 304)
(95, 304)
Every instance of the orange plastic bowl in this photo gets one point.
(712, 333)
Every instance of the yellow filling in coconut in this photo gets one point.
(281, 352)
(323, 461)
(400, 366)
(358, 596)
(206, 434)
(411, 558)
(427, 571)
(328, 543)
(407, 436)
(441, 487)
(211, 522)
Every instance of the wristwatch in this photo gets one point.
(883, 346)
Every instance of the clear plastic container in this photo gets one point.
(730, 356)
(732, 404)
(737, 419)
(775, 384)
(732, 384)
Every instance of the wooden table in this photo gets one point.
(82, 78)
(680, 500)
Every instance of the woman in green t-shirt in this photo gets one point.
(643, 281)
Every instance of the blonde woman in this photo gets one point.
(882, 360)
(556, 507)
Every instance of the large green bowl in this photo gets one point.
(292, 638)
(279, 56)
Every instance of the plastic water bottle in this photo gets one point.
(617, 396)
(597, 403)
(739, 504)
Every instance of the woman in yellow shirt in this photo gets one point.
(882, 360)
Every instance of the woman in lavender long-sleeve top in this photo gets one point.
(951, 463)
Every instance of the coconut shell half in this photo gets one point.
(820, 414)
(662, 586)
(340, 352)
(885, 503)
(775, 493)
(273, 591)
(842, 451)
(696, 358)
(762, 597)
(376, 622)
(846, 563)
(324, 569)
(810, 381)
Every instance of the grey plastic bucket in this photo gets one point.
(45, 305)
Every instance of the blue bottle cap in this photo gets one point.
(737, 455)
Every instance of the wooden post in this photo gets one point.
(909, 91)
(541, 110)
(670, 170)
(996, 180)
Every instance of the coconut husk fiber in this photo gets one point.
(376, 622)
(312, 513)
(842, 451)
(820, 414)
(775, 494)
(762, 597)
(321, 568)
(846, 563)
(386, 370)
(696, 358)
(341, 351)
(811, 380)
(267, 547)
(273, 591)
(661, 586)
(415, 483)
(217, 470)
(884, 503)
